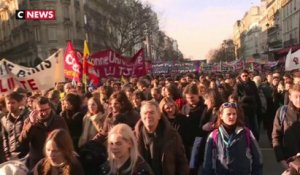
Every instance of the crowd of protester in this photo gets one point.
(184, 124)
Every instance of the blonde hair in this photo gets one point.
(165, 101)
(127, 134)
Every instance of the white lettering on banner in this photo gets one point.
(109, 71)
(125, 71)
(70, 60)
(100, 61)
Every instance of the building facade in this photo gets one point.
(277, 28)
(27, 42)
(290, 14)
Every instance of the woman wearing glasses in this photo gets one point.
(231, 148)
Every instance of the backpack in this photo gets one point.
(282, 115)
(214, 146)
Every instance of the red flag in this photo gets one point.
(72, 65)
(92, 74)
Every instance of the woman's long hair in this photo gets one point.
(239, 118)
(127, 134)
(98, 103)
(121, 97)
(75, 101)
(63, 141)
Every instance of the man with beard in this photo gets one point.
(36, 128)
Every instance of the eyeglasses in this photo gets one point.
(229, 105)
(43, 110)
(244, 75)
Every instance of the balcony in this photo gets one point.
(65, 1)
(290, 42)
(275, 44)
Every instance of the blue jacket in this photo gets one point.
(238, 158)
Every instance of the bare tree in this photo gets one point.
(128, 24)
(224, 53)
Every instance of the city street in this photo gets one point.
(271, 167)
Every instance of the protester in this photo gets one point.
(212, 100)
(37, 126)
(170, 110)
(156, 94)
(285, 137)
(231, 148)
(136, 100)
(123, 155)
(3, 109)
(173, 92)
(12, 124)
(193, 110)
(246, 90)
(121, 112)
(60, 157)
(69, 88)
(73, 115)
(143, 86)
(93, 121)
(159, 143)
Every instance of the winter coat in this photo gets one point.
(286, 138)
(11, 130)
(141, 168)
(91, 126)
(238, 158)
(35, 135)
(74, 123)
(75, 169)
(181, 124)
(172, 158)
(194, 117)
(248, 92)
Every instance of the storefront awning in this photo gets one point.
(287, 49)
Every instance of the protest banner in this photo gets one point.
(110, 64)
(292, 60)
(41, 77)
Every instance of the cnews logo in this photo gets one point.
(35, 14)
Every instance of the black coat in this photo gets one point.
(286, 138)
(74, 123)
(11, 130)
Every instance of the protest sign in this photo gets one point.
(41, 77)
(108, 63)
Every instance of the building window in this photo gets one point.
(66, 12)
(69, 33)
(37, 34)
(52, 35)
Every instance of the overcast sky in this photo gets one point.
(199, 25)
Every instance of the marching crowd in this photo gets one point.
(184, 124)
